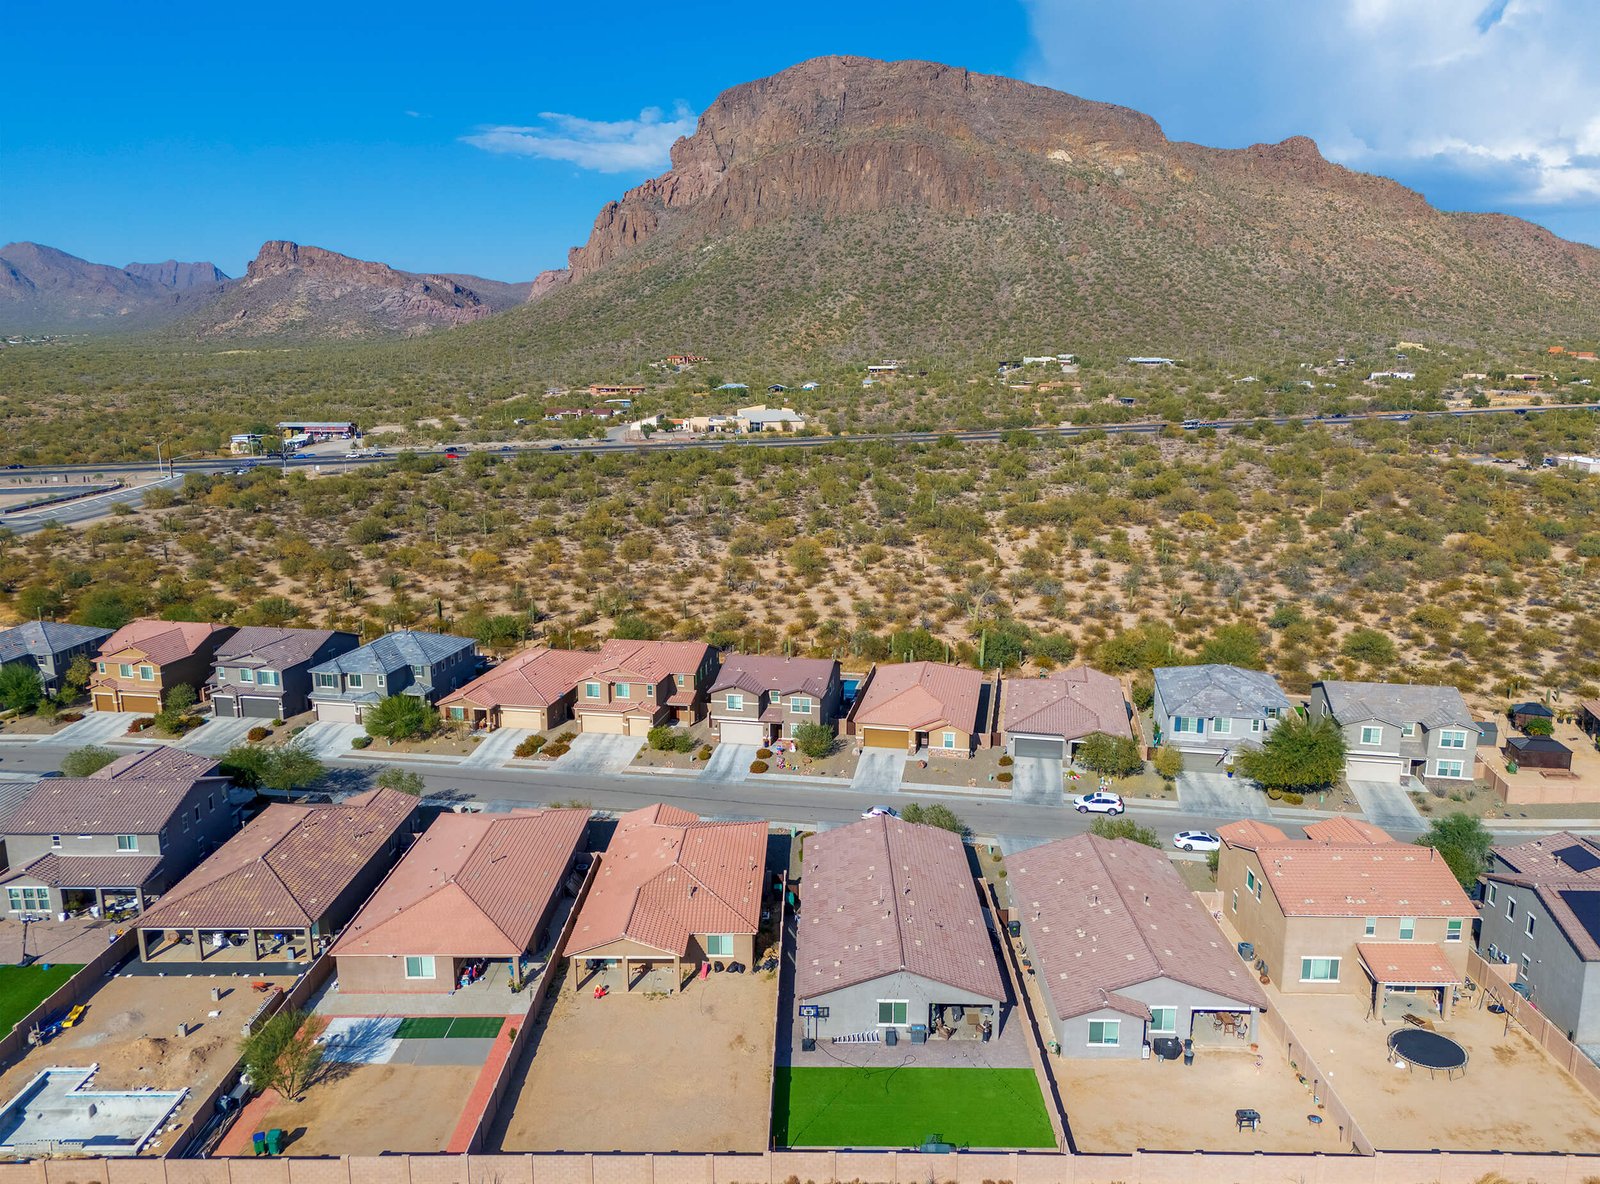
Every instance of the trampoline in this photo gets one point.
(1435, 1053)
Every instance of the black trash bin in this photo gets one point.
(1188, 1052)
(891, 1037)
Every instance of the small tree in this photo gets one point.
(401, 717)
(76, 680)
(1124, 828)
(938, 815)
(291, 766)
(1168, 762)
(179, 703)
(244, 764)
(21, 688)
(1539, 727)
(1370, 646)
(1463, 842)
(1113, 756)
(405, 780)
(662, 737)
(283, 1053)
(85, 761)
(1300, 754)
(815, 740)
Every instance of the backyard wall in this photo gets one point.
(1273, 1029)
(1528, 788)
(1549, 1037)
(75, 990)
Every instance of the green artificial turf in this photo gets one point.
(475, 1027)
(430, 1027)
(22, 988)
(893, 1107)
(438, 1027)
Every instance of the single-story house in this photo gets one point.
(924, 706)
(473, 887)
(1124, 952)
(1050, 717)
(533, 689)
(894, 936)
(265, 673)
(756, 699)
(49, 647)
(671, 890)
(1537, 752)
(631, 686)
(141, 662)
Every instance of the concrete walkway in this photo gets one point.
(498, 747)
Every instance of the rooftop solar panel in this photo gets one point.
(1579, 857)
(1585, 906)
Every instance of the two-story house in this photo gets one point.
(141, 662)
(757, 699)
(1347, 909)
(1208, 711)
(265, 673)
(49, 647)
(426, 665)
(1541, 914)
(631, 686)
(1392, 731)
(117, 837)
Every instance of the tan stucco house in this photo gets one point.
(534, 689)
(925, 706)
(631, 686)
(142, 661)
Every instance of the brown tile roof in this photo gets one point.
(161, 641)
(1342, 829)
(1104, 915)
(1417, 963)
(100, 805)
(87, 871)
(666, 876)
(1365, 879)
(272, 648)
(1250, 834)
(286, 867)
(652, 661)
(535, 677)
(1558, 869)
(884, 896)
(1070, 703)
(161, 762)
(920, 695)
(760, 674)
(473, 886)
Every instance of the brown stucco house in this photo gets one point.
(631, 686)
(757, 699)
(671, 890)
(473, 887)
(1050, 717)
(1347, 909)
(534, 689)
(925, 706)
(142, 661)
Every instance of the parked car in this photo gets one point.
(1191, 423)
(1196, 840)
(452, 454)
(1099, 802)
(881, 812)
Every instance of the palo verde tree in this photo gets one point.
(1463, 842)
(283, 1053)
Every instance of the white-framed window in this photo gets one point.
(125, 669)
(419, 672)
(101, 666)
(1524, 964)
(719, 945)
(127, 842)
(268, 678)
(1272, 712)
(949, 740)
(1163, 1021)
(355, 681)
(27, 900)
(681, 679)
(1532, 920)
(1236, 900)
(735, 701)
(1183, 724)
(800, 704)
(457, 713)
(246, 676)
(1407, 731)
(1252, 884)
(1257, 726)
(1371, 734)
(1448, 768)
(222, 674)
(1452, 738)
(328, 682)
(147, 674)
(1511, 908)
(1222, 727)
(621, 690)
(1319, 970)
(1372, 927)
(1408, 928)
(591, 690)
(649, 690)
(1491, 892)
(55, 842)
(1105, 1033)
(891, 1013)
(1452, 929)
(420, 966)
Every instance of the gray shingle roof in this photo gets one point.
(1217, 691)
(1397, 703)
(272, 649)
(394, 650)
(34, 638)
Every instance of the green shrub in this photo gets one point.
(257, 734)
(361, 742)
(1275, 793)
(142, 723)
(705, 753)
(1168, 762)
(559, 748)
(528, 747)
(663, 737)
(815, 740)
(763, 754)
(1294, 799)
(683, 742)
(1003, 778)
(566, 737)
(1113, 756)
(759, 766)
(1006, 761)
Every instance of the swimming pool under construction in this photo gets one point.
(57, 1114)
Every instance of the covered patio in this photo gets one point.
(213, 945)
(1408, 981)
(627, 973)
(111, 886)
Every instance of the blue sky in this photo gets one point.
(485, 139)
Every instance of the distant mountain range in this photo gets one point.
(46, 290)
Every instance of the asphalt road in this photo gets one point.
(86, 510)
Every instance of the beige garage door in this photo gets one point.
(743, 731)
(522, 717)
(337, 713)
(886, 738)
(105, 702)
(609, 725)
(144, 704)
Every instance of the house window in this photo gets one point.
(1222, 727)
(127, 842)
(1163, 1021)
(1407, 731)
(55, 842)
(24, 900)
(1511, 908)
(1372, 926)
(1452, 738)
(1251, 884)
(1371, 735)
(211, 801)
(891, 1013)
(591, 690)
(1105, 1033)
(1452, 929)
(458, 713)
(101, 666)
(1448, 768)
(419, 672)
(1492, 893)
(1523, 965)
(269, 678)
(1182, 724)
(735, 702)
(1319, 970)
(1236, 900)
(622, 691)
(222, 674)
(800, 705)
(419, 966)
(1271, 712)
(949, 740)
(719, 945)
(380, 680)
(327, 681)
(354, 681)
(147, 674)
(125, 669)
(246, 676)
(681, 679)
(1532, 918)
(1258, 725)
(1408, 928)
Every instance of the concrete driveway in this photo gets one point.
(592, 752)
(729, 763)
(98, 727)
(330, 740)
(1388, 806)
(1216, 795)
(1036, 781)
(879, 771)
(216, 736)
(496, 748)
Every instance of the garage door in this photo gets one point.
(607, 725)
(743, 731)
(258, 708)
(1359, 769)
(222, 707)
(886, 738)
(336, 713)
(522, 717)
(144, 704)
(1033, 746)
(105, 702)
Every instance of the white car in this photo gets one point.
(881, 812)
(1196, 840)
(1099, 802)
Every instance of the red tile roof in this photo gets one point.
(1414, 963)
(1347, 830)
(917, 696)
(161, 762)
(1311, 879)
(136, 794)
(87, 871)
(760, 674)
(1104, 915)
(650, 661)
(473, 886)
(666, 876)
(286, 867)
(535, 677)
(1070, 703)
(1251, 835)
(884, 896)
(161, 641)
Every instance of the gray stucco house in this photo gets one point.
(1211, 710)
(50, 647)
(1125, 952)
(1541, 914)
(426, 665)
(1393, 731)
(265, 673)
(893, 936)
(758, 699)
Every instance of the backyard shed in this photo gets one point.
(1538, 752)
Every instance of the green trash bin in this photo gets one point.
(259, 1142)
(275, 1141)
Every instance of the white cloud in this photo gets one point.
(619, 146)
(1502, 95)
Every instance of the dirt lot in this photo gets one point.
(374, 1109)
(686, 1072)
(130, 1031)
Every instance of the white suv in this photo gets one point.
(1099, 802)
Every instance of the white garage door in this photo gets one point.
(1365, 769)
(743, 731)
(336, 713)
(611, 725)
